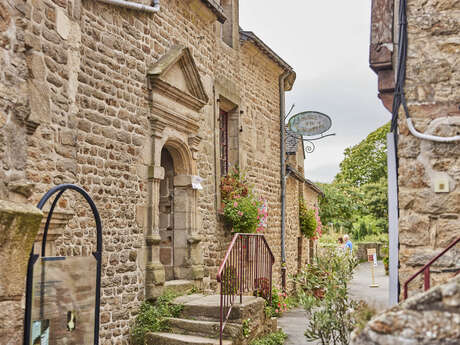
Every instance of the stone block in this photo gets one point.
(154, 274)
(19, 225)
(182, 181)
(156, 172)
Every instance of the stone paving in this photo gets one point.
(294, 324)
(359, 286)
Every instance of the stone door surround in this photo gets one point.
(177, 97)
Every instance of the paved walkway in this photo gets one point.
(294, 322)
(359, 286)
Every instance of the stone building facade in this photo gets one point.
(135, 107)
(428, 171)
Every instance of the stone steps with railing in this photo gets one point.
(199, 322)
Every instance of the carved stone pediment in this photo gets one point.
(176, 76)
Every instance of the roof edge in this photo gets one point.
(301, 178)
(215, 8)
(249, 36)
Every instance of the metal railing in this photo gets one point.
(426, 270)
(247, 267)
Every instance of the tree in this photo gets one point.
(357, 199)
(367, 161)
(340, 204)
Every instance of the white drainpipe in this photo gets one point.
(134, 5)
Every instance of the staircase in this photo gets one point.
(199, 322)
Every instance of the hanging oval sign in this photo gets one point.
(309, 123)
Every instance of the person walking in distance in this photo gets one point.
(348, 244)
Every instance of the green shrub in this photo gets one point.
(322, 290)
(241, 214)
(241, 210)
(278, 304)
(307, 219)
(152, 317)
(276, 338)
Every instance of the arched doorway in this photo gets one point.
(180, 254)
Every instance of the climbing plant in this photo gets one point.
(307, 219)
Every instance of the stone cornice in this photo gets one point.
(176, 94)
(169, 118)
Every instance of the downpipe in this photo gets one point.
(134, 5)
(283, 176)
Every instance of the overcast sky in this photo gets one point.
(327, 44)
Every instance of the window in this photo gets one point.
(223, 130)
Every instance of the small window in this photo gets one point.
(223, 130)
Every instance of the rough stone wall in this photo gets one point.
(19, 222)
(430, 318)
(429, 221)
(88, 124)
(14, 99)
(260, 140)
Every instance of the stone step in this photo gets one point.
(159, 338)
(178, 287)
(204, 328)
(201, 307)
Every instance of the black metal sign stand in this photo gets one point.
(34, 257)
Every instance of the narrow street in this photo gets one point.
(359, 286)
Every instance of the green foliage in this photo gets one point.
(341, 202)
(240, 207)
(276, 338)
(246, 327)
(152, 317)
(367, 161)
(322, 290)
(241, 214)
(375, 201)
(307, 220)
(234, 185)
(278, 304)
(386, 264)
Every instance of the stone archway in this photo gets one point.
(180, 254)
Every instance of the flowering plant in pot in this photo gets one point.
(241, 210)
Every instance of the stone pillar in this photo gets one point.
(154, 270)
(155, 273)
(188, 260)
(19, 224)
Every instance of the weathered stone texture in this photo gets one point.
(430, 318)
(428, 220)
(77, 105)
(19, 225)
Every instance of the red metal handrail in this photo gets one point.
(247, 267)
(426, 270)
